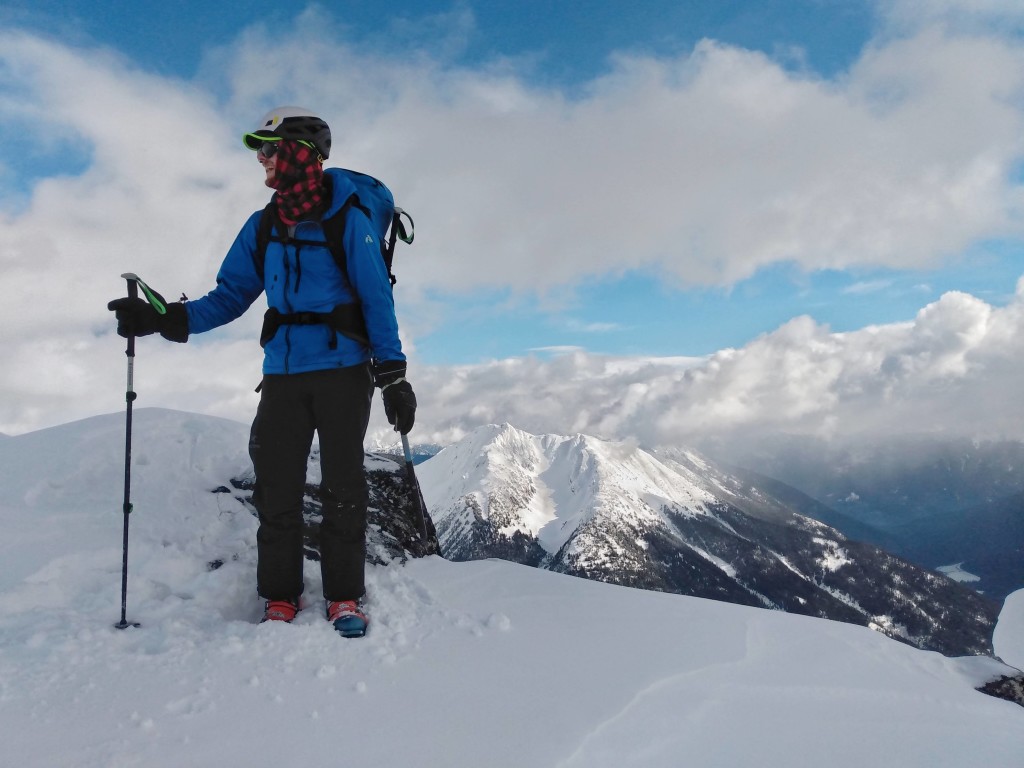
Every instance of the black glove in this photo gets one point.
(137, 317)
(399, 399)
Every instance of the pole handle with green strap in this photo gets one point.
(135, 284)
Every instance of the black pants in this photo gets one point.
(336, 405)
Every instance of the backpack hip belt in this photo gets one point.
(346, 319)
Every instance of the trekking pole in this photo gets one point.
(417, 493)
(133, 293)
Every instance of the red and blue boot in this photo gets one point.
(348, 617)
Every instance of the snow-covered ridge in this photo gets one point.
(549, 486)
(466, 664)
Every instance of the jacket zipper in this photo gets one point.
(287, 281)
(287, 304)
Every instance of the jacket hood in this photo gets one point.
(341, 189)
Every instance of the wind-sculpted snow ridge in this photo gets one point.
(482, 663)
(616, 513)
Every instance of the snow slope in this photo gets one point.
(1008, 639)
(467, 664)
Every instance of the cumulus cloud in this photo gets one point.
(711, 166)
(706, 167)
(1000, 16)
(955, 370)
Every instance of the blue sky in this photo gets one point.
(652, 180)
(569, 42)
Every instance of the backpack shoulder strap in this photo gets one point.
(264, 232)
(334, 232)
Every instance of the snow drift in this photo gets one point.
(467, 664)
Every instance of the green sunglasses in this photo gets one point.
(270, 145)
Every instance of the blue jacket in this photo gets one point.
(307, 280)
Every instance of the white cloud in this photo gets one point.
(594, 327)
(705, 167)
(868, 286)
(1001, 16)
(558, 350)
(955, 370)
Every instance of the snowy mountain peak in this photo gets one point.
(549, 486)
(613, 512)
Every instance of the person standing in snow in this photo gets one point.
(316, 376)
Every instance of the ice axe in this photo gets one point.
(421, 505)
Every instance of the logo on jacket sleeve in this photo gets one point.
(369, 239)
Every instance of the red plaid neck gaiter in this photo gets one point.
(298, 179)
